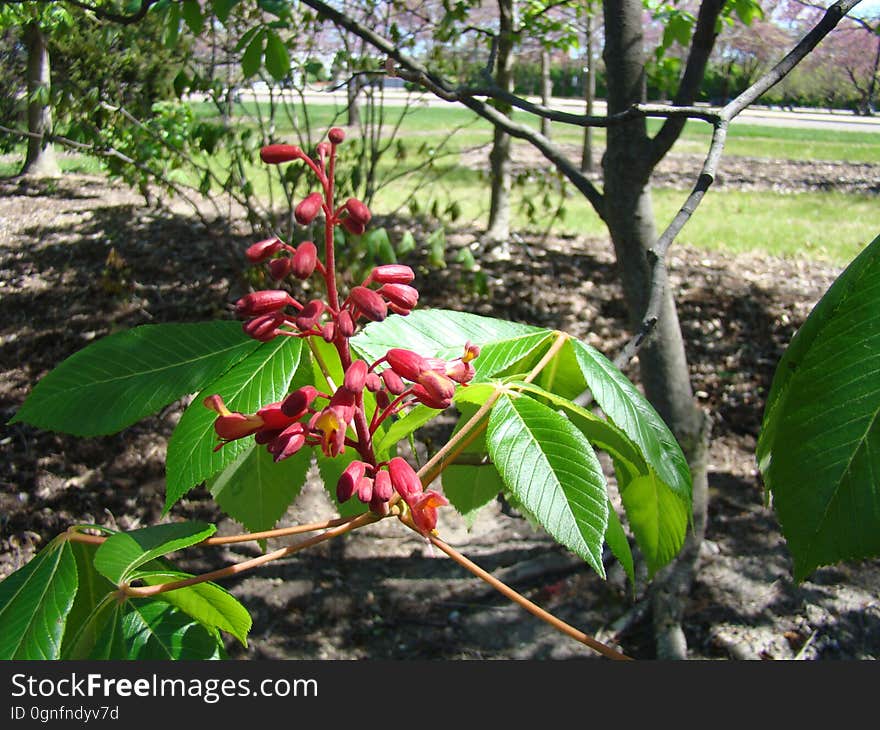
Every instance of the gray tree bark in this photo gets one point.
(546, 89)
(589, 94)
(40, 160)
(627, 166)
(499, 158)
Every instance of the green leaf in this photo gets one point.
(403, 427)
(124, 377)
(154, 629)
(255, 491)
(658, 518)
(34, 603)
(551, 468)
(207, 603)
(277, 56)
(222, 8)
(628, 409)
(516, 354)
(407, 243)
(105, 631)
(93, 588)
(616, 539)
(819, 449)
(252, 57)
(260, 379)
(432, 332)
(124, 552)
(192, 16)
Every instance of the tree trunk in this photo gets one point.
(499, 158)
(589, 95)
(40, 160)
(546, 89)
(662, 361)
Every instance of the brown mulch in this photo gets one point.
(383, 593)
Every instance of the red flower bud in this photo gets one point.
(355, 377)
(424, 397)
(352, 226)
(296, 405)
(343, 402)
(304, 260)
(262, 250)
(365, 489)
(373, 382)
(236, 426)
(438, 386)
(348, 482)
(265, 327)
(382, 488)
(262, 302)
(370, 303)
(323, 149)
(308, 209)
(288, 442)
(275, 154)
(382, 400)
(328, 332)
(358, 211)
(406, 363)
(392, 274)
(273, 416)
(345, 323)
(280, 268)
(403, 295)
(309, 315)
(404, 479)
(336, 135)
(393, 382)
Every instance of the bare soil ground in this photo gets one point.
(382, 593)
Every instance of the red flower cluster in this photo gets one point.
(401, 378)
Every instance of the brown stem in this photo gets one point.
(519, 599)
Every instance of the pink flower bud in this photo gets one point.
(382, 400)
(403, 295)
(304, 260)
(348, 482)
(262, 302)
(382, 488)
(352, 226)
(345, 323)
(273, 416)
(323, 149)
(370, 303)
(336, 135)
(460, 371)
(393, 382)
(358, 211)
(406, 363)
(373, 382)
(392, 274)
(275, 154)
(264, 327)
(308, 209)
(404, 479)
(309, 315)
(365, 489)
(262, 250)
(280, 268)
(355, 377)
(296, 405)
(288, 442)
(328, 332)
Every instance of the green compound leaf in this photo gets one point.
(550, 467)
(34, 603)
(207, 603)
(154, 629)
(435, 332)
(260, 379)
(256, 491)
(253, 55)
(121, 554)
(277, 56)
(124, 377)
(93, 589)
(819, 449)
(616, 539)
